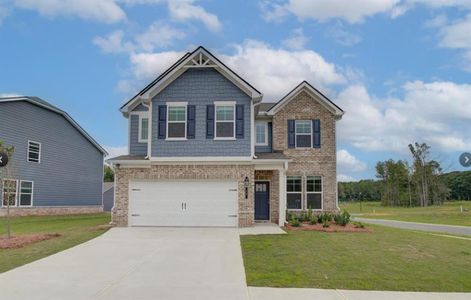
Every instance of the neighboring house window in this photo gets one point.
(225, 121)
(261, 134)
(314, 192)
(143, 129)
(294, 192)
(34, 152)
(176, 121)
(303, 133)
(26, 193)
(10, 189)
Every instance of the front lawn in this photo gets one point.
(386, 259)
(73, 230)
(449, 213)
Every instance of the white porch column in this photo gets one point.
(282, 197)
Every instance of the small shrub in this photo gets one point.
(294, 222)
(325, 217)
(325, 223)
(313, 220)
(342, 219)
(358, 225)
(309, 213)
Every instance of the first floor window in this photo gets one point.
(261, 133)
(294, 192)
(26, 193)
(9, 192)
(225, 121)
(303, 133)
(34, 152)
(176, 122)
(314, 192)
(143, 129)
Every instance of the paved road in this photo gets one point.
(451, 229)
(137, 263)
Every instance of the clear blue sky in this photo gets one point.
(400, 69)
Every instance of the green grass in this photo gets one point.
(449, 213)
(387, 259)
(74, 230)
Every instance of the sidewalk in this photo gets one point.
(262, 293)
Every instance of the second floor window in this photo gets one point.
(225, 121)
(303, 133)
(34, 152)
(261, 134)
(176, 122)
(143, 129)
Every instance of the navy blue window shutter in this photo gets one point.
(162, 121)
(240, 121)
(190, 122)
(291, 134)
(210, 121)
(316, 133)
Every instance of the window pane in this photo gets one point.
(224, 129)
(25, 199)
(303, 141)
(260, 133)
(26, 187)
(176, 113)
(33, 156)
(144, 128)
(293, 201)
(303, 127)
(176, 130)
(314, 201)
(293, 184)
(224, 113)
(314, 184)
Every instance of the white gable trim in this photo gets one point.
(200, 58)
(304, 86)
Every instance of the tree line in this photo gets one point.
(422, 183)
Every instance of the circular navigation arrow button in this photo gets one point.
(465, 159)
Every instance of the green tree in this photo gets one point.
(108, 174)
(7, 172)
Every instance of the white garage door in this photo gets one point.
(183, 203)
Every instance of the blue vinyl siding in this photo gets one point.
(270, 140)
(71, 168)
(201, 87)
(135, 148)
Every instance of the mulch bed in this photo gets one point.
(22, 240)
(332, 228)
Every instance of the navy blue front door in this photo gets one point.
(262, 200)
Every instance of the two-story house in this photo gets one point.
(205, 151)
(56, 167)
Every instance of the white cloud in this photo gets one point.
(345, 178)
(436, 113)
(146, 66)
(113, 43)
(347, 163)
(116, 151)
(342, 36)
(158, 35)
(297, 40)
(324, 10)
(185, 10)
(107, 11)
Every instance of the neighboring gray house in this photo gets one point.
(56, 168)
(108, 196)
(205, 151)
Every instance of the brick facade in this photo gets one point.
(44, 211)
(177, 172)
(309, 161)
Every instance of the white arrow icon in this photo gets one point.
(1, 159)
(466, 160)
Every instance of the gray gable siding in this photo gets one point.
(71, 169)
(201, 87)
(265, 149)
(140, 107)
(135, 148)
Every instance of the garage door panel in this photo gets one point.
(183, 203)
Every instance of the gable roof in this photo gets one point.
(199, 58)
(315, 93)
(44, 104)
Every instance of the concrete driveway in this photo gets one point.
(137, 263)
